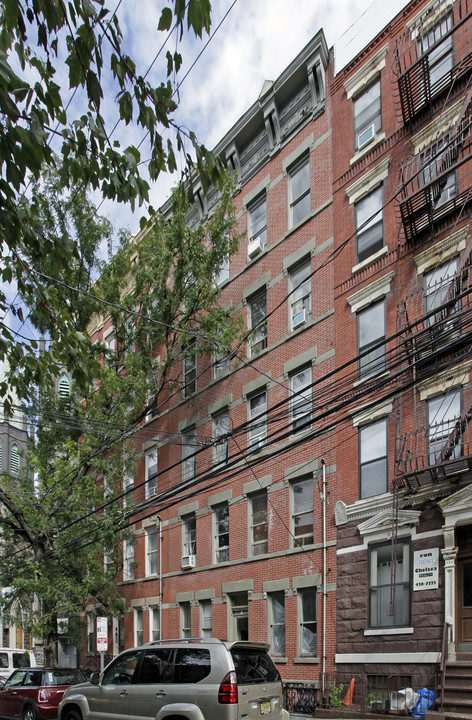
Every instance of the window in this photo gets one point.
(189, 460)
(151, 552)
(438, 289)
(258, 323)
(373, 459)
(240, 616)
(220, 366)
(367, 115)
(223, 272)
(299, 183)
(190, 368)
(15, 459)
(300, 295)
(151, 472)
(108, 561)
(185, 620)
(128, 570)
(371, 340)
(302, 512)
(63, 386)
(90, 633)
(138, 627)
(220, 435)
(259, 523)
(206, 618)
(439, 52)
(257, 420)
(277, 623)
(435, 161)
(189, 536)
(110, 344)
(369, 224)
(300, 400)
(1, 457)
(121, 670)
(154, 624)
(443, 412)
(380, 579)
(307, 617)
(221, 520)
(128, 490)
(257, 227)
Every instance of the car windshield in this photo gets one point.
(253, 666)
(62, 677)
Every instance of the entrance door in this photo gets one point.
(464, 592)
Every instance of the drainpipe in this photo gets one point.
(160, 576)
(323, 500)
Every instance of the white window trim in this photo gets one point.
(445, 382)
(442, 251)
(149, 530)
(377, 290)
(441, 125)
(135, 628)
(363, 77)
(421, 20)
(369, 415)
(368, 182)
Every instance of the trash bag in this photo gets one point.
(426, 701)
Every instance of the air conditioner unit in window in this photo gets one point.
(365, 136)
(188, 561)
(299, 318)
(254, 247)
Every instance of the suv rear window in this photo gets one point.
(21, 660)
(191, 666)
(253, 666)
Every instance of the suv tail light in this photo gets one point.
(228, 692)
(43, 695)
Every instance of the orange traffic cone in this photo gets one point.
(350, 694)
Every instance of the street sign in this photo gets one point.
(102, 634)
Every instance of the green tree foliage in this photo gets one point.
(36, 38)
(66, 513)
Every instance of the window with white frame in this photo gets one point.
(257, 406)
(301, 399)
(63, 386)
(259, 527)
(371, 340)
(128, 570)
(90, 633)
(439, 290)
(220, 365)
(110, 343)
(14, 459)
(151, 472)
(277, 623)
(206, 619)
(151, 551)
(189, 535)
(373, 477)
(300, 294)
(367, 115)
(154, 624)
(257, 226)
(220, 435)
(239, 616)
(223, 272)
(437, 43)
(258, 323)
(307, 639)
(138, 626)
(128, 489)
(435, 160)
(109, 561)
(443, 413)
(189, 459)
(380, 583)
(190, 368)
(302, 511)
(221, 533)
(369, 224)
(185, 620)
(299, 191)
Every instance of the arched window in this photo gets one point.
(14, 459)
(63, 386)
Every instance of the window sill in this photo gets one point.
(278, 660)
(369, 378)
(309, 660)
(389, 631)
(378, 140)
(370, 260)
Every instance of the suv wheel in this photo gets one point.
(29, 713)
(72, 715)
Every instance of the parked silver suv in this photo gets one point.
(195, 679)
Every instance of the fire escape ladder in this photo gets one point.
(407, 336)
(455, 437)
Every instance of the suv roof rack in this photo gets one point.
(212, 640)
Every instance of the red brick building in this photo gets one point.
(332, 520)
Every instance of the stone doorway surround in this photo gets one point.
(457, 511)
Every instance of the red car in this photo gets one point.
(35, 693)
